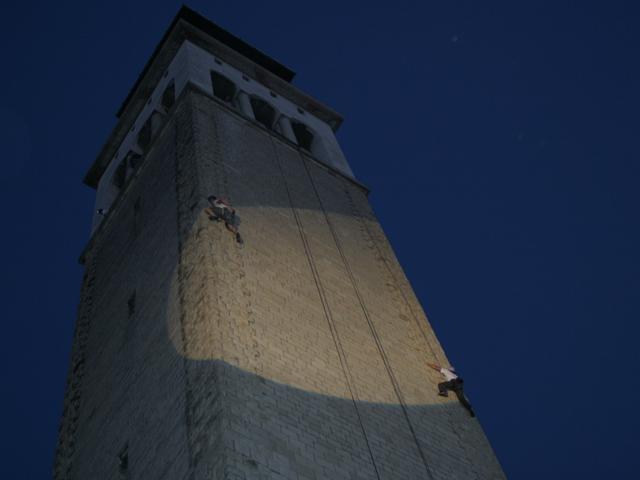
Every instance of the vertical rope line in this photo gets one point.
(222, 184)
(419, 324)
(219, 185)
(327, 311)
(183, 333)
(372, 328)
(210, 408)
(461, 444)
(395, 281)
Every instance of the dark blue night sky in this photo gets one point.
(500, 141)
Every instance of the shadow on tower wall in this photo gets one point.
(301, 354)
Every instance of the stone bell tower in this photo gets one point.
(299, 354)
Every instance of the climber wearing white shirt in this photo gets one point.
(454, 383)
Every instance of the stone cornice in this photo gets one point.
(188, 25)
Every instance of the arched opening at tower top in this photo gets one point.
(263, 111)
(168, 96)
(120, 175)
(304, 136)
(223, 88)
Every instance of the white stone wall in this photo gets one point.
(194, 65)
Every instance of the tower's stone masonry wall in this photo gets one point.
(300, 355)
(322, 341)
(131, 397)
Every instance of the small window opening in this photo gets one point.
(300, 111)
(133, 159)
(120, 175)
(131, 304)
(263, 111)
(157, 120)
(169, 96)
(245, 78)
(223, 88)
(278, 128)
(303, 135)
(273, 94)
(150, 130)
(217, 61)
(123, 461)
(144, 136)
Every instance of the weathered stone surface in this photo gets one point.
(300, 355)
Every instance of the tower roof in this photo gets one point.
(220, 34)
(190, 25)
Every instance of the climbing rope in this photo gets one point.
(413, 314)
(327, 311)
(374, 333)
(418, 322)
(221, 178)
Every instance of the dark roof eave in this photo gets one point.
(220, 34)
(276, 77)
